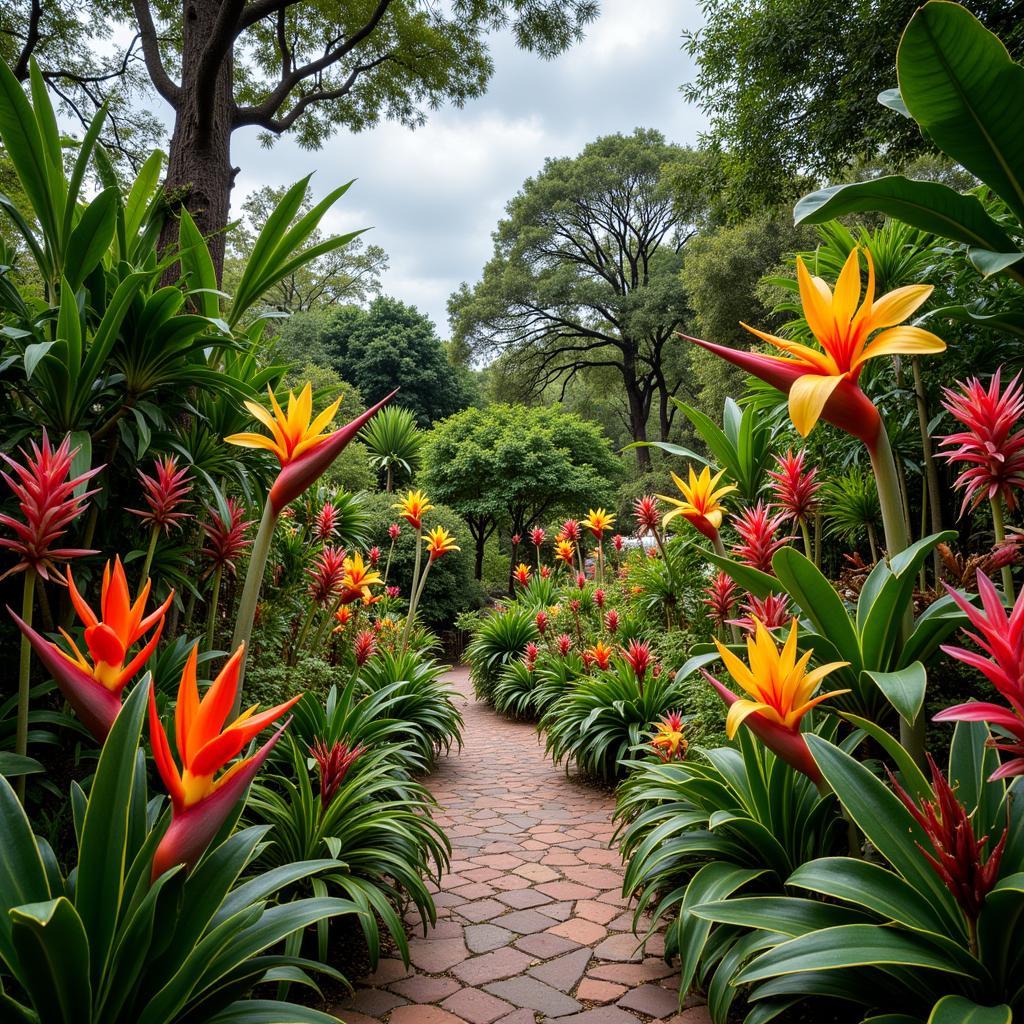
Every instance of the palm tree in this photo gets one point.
(394, 442)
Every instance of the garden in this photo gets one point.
(650, 651)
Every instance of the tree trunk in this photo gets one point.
(478, 566)
(199, 171)
(638, 409)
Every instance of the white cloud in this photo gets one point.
(434, 195)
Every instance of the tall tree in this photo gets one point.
(517, 466)
(790, 87)
(309, 67)
(585, 274)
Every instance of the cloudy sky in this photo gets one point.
(434, 195)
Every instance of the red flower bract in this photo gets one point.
(325, 526)
(639, 657)
(226, 542)
(48, 505)
(364, 647)
(333, 764)
(721, 594)
(773, 611)
(647, 515)
(992, 446)
(164, 493)
(795, 489)
(758, 541)
(327, 575)
(537, 536)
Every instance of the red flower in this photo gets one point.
(795, 490)
(48, 505)
(956, 854)
(364, 647)
(537, 536)
(374, 555)
(581, 581)
(772, 610)
(647, 515)
(611, 621)
(1001, 637)
(542, 622)
(164, 492)
(721, 596)
(333, 764)
(226, 542)
(599, 597)
(327, 574)
(394, 530)
(326, 524)
(638, 655)
(570, 531)
(531, 655)
(669, 742)
(564, 643)
(991, 444)
(617, 542)
(393, 591)
(757, 533)
(545, 572)
(516, 540)
(522, 574)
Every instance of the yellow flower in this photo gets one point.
(565, 551)
(292, 432)
(598, 521)
(843, 329)
(440, 542)
(413, 507)
(358, 580)
(780, 685)
(701, 505)
(669, 741)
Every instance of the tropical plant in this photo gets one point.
(107, 943)
(501, 639)
(851, 506)
(514, 694)
(394, 441)
(931, 930)
(723, 824)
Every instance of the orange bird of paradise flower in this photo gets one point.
(701, 505)
(782, 691)
(440, 542)
(94, 685)
(413, 507)
(822, 383)
(200, 799)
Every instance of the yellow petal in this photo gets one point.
(738, 712)
(252, 441)
(847, 292)
(903, 341)
(807, 398)
(894, 307)
(816, 302)
(714, 517)
(324, 419)
(735, 667)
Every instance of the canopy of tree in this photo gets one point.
(585, 274)
(517, 466)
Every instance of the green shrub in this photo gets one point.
(500, 639)
(451, 588)
(268, 685)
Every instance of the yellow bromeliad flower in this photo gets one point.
(598, 521)
(440, 542)
(701, 505)
(565, 551)
(669, 740)
(413, 507)
(358, 580)
(292, 432)
(779, 683)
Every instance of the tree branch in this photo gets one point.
(31, 41)
(151, 53)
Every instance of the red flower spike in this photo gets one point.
(374, 555)
(522, 574)
(200, 804)
(393, 591)
(795, 489)
(543, 621)
(164, 493)
(570, 531)
(721, 593)
(991, 445)
(1001, 637)
(773, 611)
(581, 581)
(956, 855)
(599, 597)
(327, 575)
(325, 526)
(226, 542)
(647, 515)
(530, 656)
(669, 741)
(394, 531)
(564, 644)
(333, 764)
(611, 621)
(537, 537)
(758, 541)
(545, 572)
(516, 540)
(364, 647)
(639, 657)
(48, 506)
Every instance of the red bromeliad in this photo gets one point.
(45, 492)
(374, 556)
(543, 621)
(333, 764)
(327, 575)
(394, 531)
(201, 803)
(638, 656)
(758, 540)
(795, 488)
(564, 644)
(537, 536)
(530, 656)
(94, 685)
(957, 855)
(773, 611)
(226, 542)
(581, 581)
(164, 493)
(522, 574)
(545, 572)
(611, 621)
(669, 741)
(325, 526)
(721, 594)
(364, 647)
(618, 542)
(599, 597)
(1001, 637)
(647, 515)
(600, 654)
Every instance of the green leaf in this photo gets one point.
(922, 204)
(81, 461)
(18, 764)
(988, 264)
(758, 583)
(892, 99)
(91, 237)
(911, 776)
(1007, 321)
(964, 90)
(958, 1010)
(903, 689)
(69, 330)
(53, 956)
(101, 861)
(34, 355)
(270, 1011)
(197, 266)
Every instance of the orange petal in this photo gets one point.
(187, 707)
(165, 765)
(85, 613)
(816, 304)
(221, 749)
(214, 708)
(903, 341)
(847, 293)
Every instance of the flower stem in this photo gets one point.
(414, 589)
(999, 529)
(154, 536)
(387, 564)
(806, 534)
(24, 672)
(258, 555)
(211, 614)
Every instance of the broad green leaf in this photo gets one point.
(971, 762)
(53, 954)
(81, 461)
(18, 764)
(270, 1011)
(34, 355)
(197, 266)
(988, 263)
(903, 689)
(786, 914)
(85, 151)
(758, 583)
(892, 99)
(911, 776)
(965, 91)
(958, 1010)
(142, 189)
(1005, 321)
(927, 205)
(91, 237)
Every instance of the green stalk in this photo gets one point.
(817, 539)
(150, 552)
(999, 529)
(251, 593)
(303, 632)
(24, 672)
(211, 612)
(664, 556)
(600, 562)
(387, 564)
(806, 534)
(414, 589)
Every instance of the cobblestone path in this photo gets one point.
(531, 925)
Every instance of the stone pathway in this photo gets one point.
(531, 925)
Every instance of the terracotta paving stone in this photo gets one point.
(532, 926)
